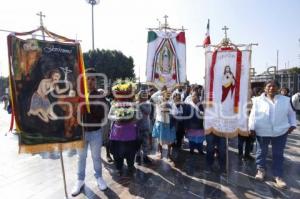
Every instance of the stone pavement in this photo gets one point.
(25, 176)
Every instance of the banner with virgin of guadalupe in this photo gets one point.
(45, 93)
(227, 88)
(166, 58)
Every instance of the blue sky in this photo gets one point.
(122, 25)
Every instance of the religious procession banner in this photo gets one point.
(166, 58)
(45, 93)
(226, 93)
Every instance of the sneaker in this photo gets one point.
(101, 184)
(159, 155)
(279, 183)
(260, 175)
(169, 158)
(77, 188)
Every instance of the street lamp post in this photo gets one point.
(93, 3)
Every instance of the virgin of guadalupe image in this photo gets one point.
(40, 105)
(165, 64)
(228, 83)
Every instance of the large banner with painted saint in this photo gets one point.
(166, 58)
(45, 93)
(226, 91)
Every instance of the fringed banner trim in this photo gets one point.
(49, 33)
(226, 134)
(38, 148)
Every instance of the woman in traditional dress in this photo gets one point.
(194, 125)
(163, 129)
(123, 135)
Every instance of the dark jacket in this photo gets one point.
(97, 113)
(196, 120)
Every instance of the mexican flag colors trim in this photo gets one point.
(166, 58)
(227, 85)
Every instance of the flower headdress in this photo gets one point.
(124, 89)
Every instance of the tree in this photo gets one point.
(294, 70)
(114, 64)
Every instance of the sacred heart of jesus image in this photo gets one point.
(228, 83)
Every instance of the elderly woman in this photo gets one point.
(272, 118)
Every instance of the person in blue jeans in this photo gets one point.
(92, 135)
(214, 142)
(271, 119)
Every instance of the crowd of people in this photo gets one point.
(134, 121)
(130, 122)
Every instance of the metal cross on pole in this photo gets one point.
(225, 28)
(40, 14)
(166, 25)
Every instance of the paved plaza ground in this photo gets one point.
(25, 176)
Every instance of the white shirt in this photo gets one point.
(271, 118)
(161, 116)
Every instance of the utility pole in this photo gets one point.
(299, 52)
(277, 57)
(93, 3)
(40, 14)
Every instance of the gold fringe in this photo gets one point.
(226, 134)
(210, 103)
(236, 109)
(38, 148)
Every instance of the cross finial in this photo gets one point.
(166, 21)
(40, 14)
(225, 28)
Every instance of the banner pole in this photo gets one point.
(63, 172)
(227, 160)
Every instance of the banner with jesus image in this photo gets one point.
(227, 88)
(43, 79)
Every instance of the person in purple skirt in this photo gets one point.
(123, 135)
